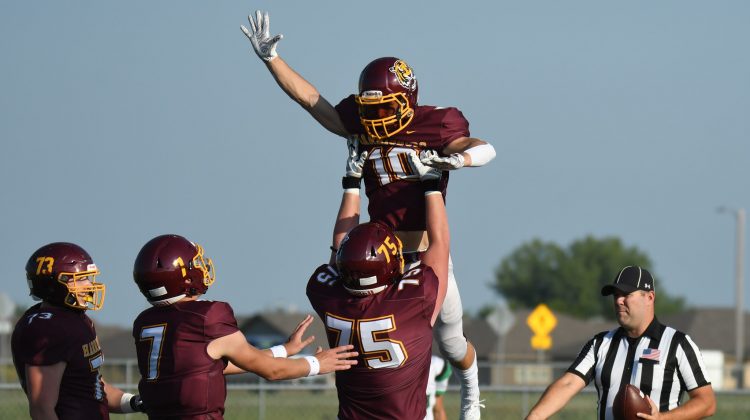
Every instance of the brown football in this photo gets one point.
(628, 402)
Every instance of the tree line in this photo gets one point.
(569, 279)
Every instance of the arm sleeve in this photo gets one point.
(454, 126)
(690, 364)
(47, 346)
(220, 321)
(349, 113)
(585, 363)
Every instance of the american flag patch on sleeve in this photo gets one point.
(651, 354)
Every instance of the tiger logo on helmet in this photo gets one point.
(404, 74)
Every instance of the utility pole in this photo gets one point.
(739, 322)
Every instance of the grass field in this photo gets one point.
(321, 405)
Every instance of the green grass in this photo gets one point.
(314, 405)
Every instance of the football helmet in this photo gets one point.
(64, 274)
(369, 259)
(387, 97)
(170, 267)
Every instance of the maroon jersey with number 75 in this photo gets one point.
(391, 331)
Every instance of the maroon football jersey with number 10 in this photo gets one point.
(392, 333)
(392, 186)
(178, 377)
(46, 336)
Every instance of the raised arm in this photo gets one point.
(348, 215)
(438, 233)
(294, 85)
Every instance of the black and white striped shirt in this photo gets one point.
(663, 363)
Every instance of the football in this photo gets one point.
(628, 402)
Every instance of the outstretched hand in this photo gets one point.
(355, 161)
(445, 163)
(426, 173)
(296, 343)
(260, 36)
(336, 358)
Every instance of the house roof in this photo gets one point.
(710, 328)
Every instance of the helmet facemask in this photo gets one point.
(383, 116)
(84, 292)
(205, 265)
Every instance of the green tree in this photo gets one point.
(569, 279)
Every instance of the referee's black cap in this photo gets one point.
(630, 279)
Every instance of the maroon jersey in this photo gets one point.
(391, 331)
(49, 335)
(392, 186)
(178, 377)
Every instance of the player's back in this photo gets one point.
(178, 377)
(392, 333)
(49, 335)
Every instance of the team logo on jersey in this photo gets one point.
(404, 74)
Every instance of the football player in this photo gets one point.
(437, 384)
(386, 119)
(55, 348)
(369, 298)
(185, 346)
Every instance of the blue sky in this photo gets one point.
(121, 121)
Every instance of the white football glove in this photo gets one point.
(355, 161)
(447, 163)
(260, 36)
(426, 173)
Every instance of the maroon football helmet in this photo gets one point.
(369, 259)
(169, 268)
(64, 274)
(387, 97)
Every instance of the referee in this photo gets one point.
(660, 360)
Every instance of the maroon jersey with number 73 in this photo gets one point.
(49, 335)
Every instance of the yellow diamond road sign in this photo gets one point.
(541, 321)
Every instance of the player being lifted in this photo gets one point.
(385, 118)
(368, 298)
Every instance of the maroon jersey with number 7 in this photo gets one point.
(178, 377)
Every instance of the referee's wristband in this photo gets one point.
(278, 351)
(314, 365)
(351, 182)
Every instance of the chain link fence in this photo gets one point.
(509, 391)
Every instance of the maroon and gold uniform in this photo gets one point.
(391, 184)
(391, 331)
(178, 377)
(51, 334)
